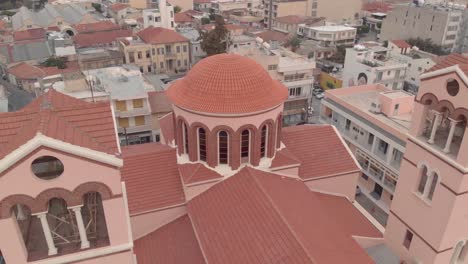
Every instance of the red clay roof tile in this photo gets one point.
(284, 157)
(183, 17)
(174, 243)
(96, 27)
(29, 34)
(167, 128)
(450, 60)
(401, 43)
(158, 35)
(152, 177)
(159, 102)
(64, 118)
(100, 38)
(118, 6)
(319, 149)
(197, 172)
(259, 217)
(227, 84)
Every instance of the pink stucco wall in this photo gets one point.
(13, 248)
(116, 220)
(146, 223)
(294, 172)
(344, 184)
(193, 190)
(232, 121)
(388, 104)
(76, 172)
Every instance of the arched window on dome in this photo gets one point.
(223, 147)
(245, 146)
(201, 144)
(185, 138)
(263, 141)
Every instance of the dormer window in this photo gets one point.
(453, 87)
(47, 167)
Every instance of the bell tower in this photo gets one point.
(428, 221)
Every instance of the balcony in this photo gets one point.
(132, 112)
(378, 172)
(135, 129)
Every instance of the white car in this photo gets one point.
(319, 96)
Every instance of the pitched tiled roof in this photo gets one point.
(159, 102)
(401, 43)
(118, 6)
(61, 117)
(450, 60)
(25, 71)
(158, 35)
(152, 177)
(270, 35)
(174, 243)
(284, 157)
(35, 33)
(227, 84)
(197, 172)
(260, 217)
(167, 128)
(96, 27)
(183, 17)
(320, 150)
(100, 38)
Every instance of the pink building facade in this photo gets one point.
(427, 223)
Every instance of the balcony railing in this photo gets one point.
(134, 129)
(132, 112)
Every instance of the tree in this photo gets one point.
(205, 20)
(59, 62)
(217, 40)
(427, 45)
(339, 55)
(177, 9)
(364, 29)
(294, 42)
(97, 6)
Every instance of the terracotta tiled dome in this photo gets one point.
(227, 84)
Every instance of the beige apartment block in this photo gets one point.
(157, 50)
(440, 24)
(333, 11)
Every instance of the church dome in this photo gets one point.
(227, 84)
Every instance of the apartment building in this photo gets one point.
(293, 70)
(89, 59)
(157, 50)
(440, 23)
(417, 62)
(335, 35)
(369, 63)
(161, 15)
(334, 11)
(374, 121)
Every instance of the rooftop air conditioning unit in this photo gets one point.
(375, 107)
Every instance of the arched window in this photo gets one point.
(223, 146)
(93, 217)
(263, 141)
(245, 145)
(185, 136)
(201, 144)
(435, 178)
(422, 179)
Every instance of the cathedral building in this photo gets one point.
(227, 183)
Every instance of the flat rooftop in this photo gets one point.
(358, 100)
(332, 28)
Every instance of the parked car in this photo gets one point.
(320, 96)
(317, 91)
